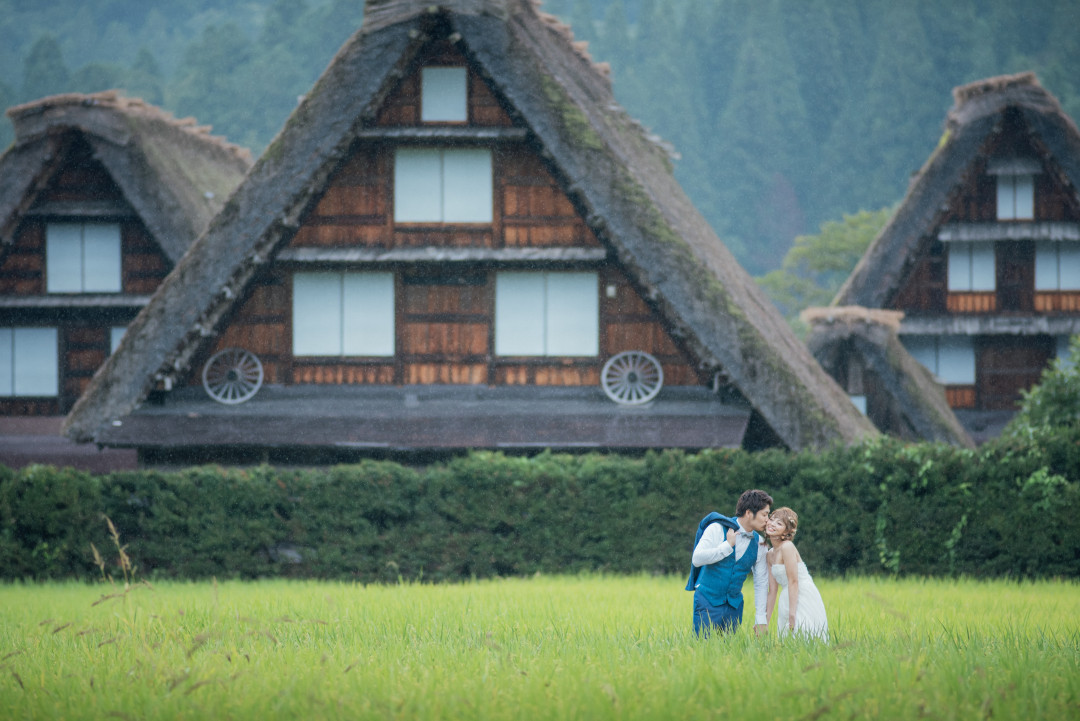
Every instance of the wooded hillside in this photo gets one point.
(786, 113)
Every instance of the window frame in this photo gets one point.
(556, 332)
(337, 294)
(967, 272)
(44, 367)
(439, 89)
(61, 266)
(1015, 196)
(459, 198)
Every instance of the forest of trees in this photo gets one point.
(787, 114)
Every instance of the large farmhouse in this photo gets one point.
(100, 196)
(983, 255)
(458, 240)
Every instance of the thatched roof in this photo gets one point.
(173, 173)
(917, 408)
(978, 111)
(615, 172)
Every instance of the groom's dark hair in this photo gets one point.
(752, 501)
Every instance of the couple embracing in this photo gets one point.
(726, 550)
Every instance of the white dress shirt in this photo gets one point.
(714, 547)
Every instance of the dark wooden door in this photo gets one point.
(1016, 275)
(1007, 365)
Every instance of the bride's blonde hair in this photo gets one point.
(790, 519)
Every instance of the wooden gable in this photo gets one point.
(974, 201)
(444, 298)
(76, 189)
(79, 188)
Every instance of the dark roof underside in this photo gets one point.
(417, 418)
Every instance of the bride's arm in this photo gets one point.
(771, 601)
(791, 567)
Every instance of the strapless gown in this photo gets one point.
(810, 618)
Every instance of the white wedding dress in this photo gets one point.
(810, 619)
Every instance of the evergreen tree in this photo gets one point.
(887, 131)
(817, 265)
(764, 137)
(44, 72)
(213, 86)
(94, 77)
(144, 78)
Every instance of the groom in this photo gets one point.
(725, 551)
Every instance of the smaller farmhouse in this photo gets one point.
(459, 240)
(860, 348)
(100, 196)
(983, 255)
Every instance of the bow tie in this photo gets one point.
(747, 534)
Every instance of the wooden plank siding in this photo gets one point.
(445, 312)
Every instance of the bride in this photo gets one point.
(801, 610)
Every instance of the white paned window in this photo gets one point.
(29, 365)
(950, 358)
(82, 258)
(547, 314)
(1057, 266)
(971, 266)
(443, 95)
(116, 334)
(1015, 197)
(343, 314)
(860, 403)
(434, 185)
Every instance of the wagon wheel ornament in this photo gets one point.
(232, 376)
(632, 377)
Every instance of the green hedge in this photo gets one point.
(1005, 510)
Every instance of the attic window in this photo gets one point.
(443, 95)
(547, 314)
(950, 358)
(343, 314)
(82, 258)
(1057, 265)
(1016, 197)
(971, 266)
(28, 362)
(433, 185)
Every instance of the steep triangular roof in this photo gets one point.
(173, 173)
(841, 335)
(978, 111)
(618, 176)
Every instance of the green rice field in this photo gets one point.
(588, 647)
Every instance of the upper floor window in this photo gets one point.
(1057, 265)
(971, 266)
(442, 185)
(1015, 185)
(443, 95)
(1015, 197)
(547, 314)
(28, 362)
(82, 258)
(343, 314)
(950, 358)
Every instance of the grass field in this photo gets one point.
(588, 647)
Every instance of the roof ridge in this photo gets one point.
(132, 106)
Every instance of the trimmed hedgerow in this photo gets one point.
(1009, 509)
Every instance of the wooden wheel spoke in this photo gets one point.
(632, 377)
(232, 376)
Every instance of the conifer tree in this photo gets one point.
(44, 71)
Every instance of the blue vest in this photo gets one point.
(722, 582)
